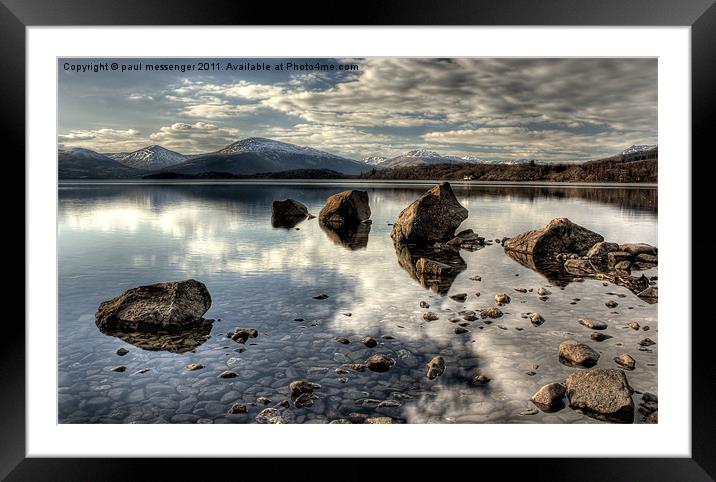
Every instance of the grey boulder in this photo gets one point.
(169, 306)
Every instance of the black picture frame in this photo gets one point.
(700, 15)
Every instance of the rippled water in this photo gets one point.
(114, 237)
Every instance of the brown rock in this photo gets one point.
(345, 208)
(559, 236)
(159, 307)
(549, 397)
(574, 353)
(625, 361)
(379, 363)
(432, 217)
(635, 249)
(601, 393)
(436, 367)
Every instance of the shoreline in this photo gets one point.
(407, 182)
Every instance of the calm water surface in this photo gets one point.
(115, 237)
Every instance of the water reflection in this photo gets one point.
(351, 237)
(434, 280)
(115, 237)
(182, 342)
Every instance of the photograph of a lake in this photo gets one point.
(116, 236)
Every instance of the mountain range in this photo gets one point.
(251, 156)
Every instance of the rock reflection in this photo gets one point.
(350, 237)
(550, 268)
(181, 342)
(437, 281)
(286, 222)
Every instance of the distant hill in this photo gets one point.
(614, 169)
(149, 158)
(294, 174)
(79, 163)
(259, 155)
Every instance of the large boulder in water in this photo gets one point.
(287, 213)
(601, 393)
(433, 217)
(559, 236)
(345, 209)
(172, 307)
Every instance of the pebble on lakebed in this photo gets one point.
(574, 353)
(436, 367)
(379, 363)
(369, 341)
(122, 351)
(194, 366)
(430, 316)
(502, 298)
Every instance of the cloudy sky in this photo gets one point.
(554, 109)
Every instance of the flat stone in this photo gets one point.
(574, 353)
(601, 393)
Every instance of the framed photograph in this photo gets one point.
(439, 231)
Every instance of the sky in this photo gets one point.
(498, 108)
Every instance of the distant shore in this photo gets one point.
(384, 182)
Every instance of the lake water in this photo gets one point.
(114, 237)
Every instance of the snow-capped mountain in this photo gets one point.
(258, 155)
(374, 160)
(639, 148)
(150, 158)
(272, 148)
(422, 157)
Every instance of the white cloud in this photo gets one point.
(194, 138)
(104, 139)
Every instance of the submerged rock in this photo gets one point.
(433, 217)
(601, 393)
(345, 208)
(549, 397)
(379, 363)
(237, 407)
(559, 236)
(171, 307)
(536, 319)
(287, 213)
(436, 367)
(378, 420)
(625, 361)
(573, 353)
(481, 379)
(593, 324)
(490, 312)
(300, 387)
(598, 336)
(502, 298)
(241, 334)
(194, 366)
(635, 249)
(601, 250)
(228, 374)
(430, 316)
(459, 297)
(122, 351)
(633, 325)
(369, 341)
(544, 292)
